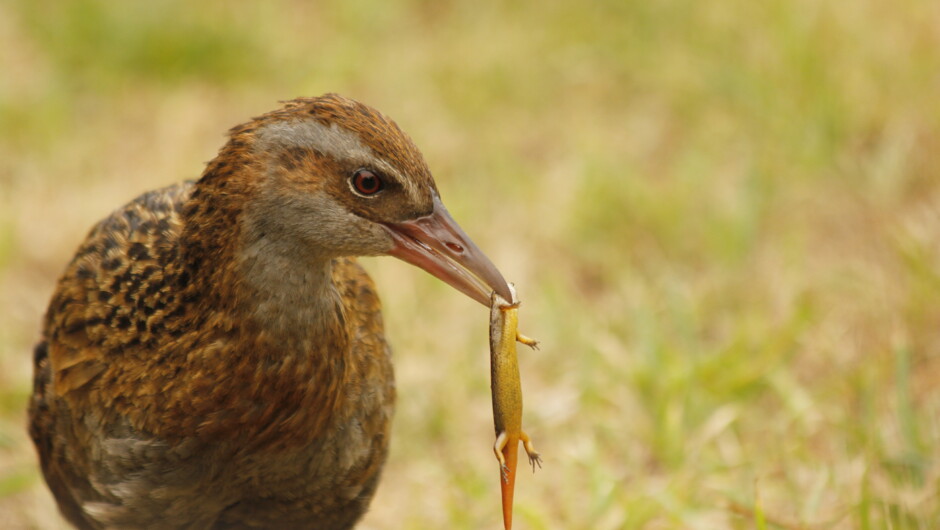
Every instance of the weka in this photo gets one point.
(214, 357)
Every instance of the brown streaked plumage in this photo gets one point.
(213, 355)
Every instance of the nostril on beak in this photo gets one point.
(454, 247)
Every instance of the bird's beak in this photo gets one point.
(437, 244)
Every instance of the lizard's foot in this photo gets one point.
(535, 458)
(504, 472)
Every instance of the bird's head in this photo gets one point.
(333, 177)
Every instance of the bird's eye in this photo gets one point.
(366, 183)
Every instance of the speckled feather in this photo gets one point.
(200, 367)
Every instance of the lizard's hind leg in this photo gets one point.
(498, 447)
(534, 456)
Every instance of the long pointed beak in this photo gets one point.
(437, 244)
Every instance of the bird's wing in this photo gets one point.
(87, 326)
(99, 308)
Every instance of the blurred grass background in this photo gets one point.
(723, 219)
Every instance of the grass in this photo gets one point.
(725, 230)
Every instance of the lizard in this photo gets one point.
(507, 395)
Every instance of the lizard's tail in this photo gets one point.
(507, 481)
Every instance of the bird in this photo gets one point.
(214, 355)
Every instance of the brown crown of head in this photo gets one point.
(317, 144)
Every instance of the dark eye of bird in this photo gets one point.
(367, 183)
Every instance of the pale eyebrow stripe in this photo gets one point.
(331, 140)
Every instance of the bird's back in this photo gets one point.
(143, 416)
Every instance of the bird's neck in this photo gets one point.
(288, 295)
(243, 264)
(273, 313)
